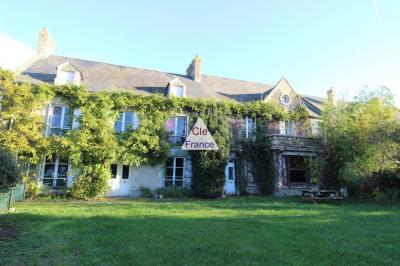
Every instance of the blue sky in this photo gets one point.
(314, 44)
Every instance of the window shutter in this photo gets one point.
(75, 119)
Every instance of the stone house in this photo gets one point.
(289, 144)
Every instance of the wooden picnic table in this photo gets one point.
(318, 195)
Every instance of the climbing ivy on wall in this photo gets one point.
(94, 145)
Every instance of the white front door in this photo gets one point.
(120, 181)
(230, 187)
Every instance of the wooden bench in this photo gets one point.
(320, 195)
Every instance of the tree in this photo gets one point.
(361, 137)
(9, 173)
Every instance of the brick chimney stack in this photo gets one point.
(46, 44)
(194, 69)
(331, 93)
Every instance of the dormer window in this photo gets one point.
(177, 91)
(66, 77)
(127, 121)
(176, 88)
(68, 74)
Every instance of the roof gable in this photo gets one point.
(283, 90)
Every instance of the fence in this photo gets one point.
(18, 194)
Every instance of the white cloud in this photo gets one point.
(13, 53)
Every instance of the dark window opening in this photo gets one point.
(113, 171)
(298, 172)
(125, 172)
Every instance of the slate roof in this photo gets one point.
(98, 76)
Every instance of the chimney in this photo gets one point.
(194, 69)
(331, 93)
(46, 45)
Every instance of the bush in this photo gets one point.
(145, 192)
(208, 174)
(32, 189)
(9, 172)
(380, 186)
(174, 192)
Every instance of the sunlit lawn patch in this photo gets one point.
(225, 231)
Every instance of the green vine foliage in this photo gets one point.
(257, 155)
(209, 166)
(94, 145)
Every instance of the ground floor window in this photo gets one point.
(55, 172)
(114, 168)
(174, 172)
(297, 170)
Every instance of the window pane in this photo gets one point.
(178, 172)
(118, 123)
(62, 170)
(128, 121)
(113, 171)
(136, 121)
(56, 117)
(66, 123)
(230, 173)
(282, 127)
(125, 172)
(48, 182)
(57, 110)
(178, 183)
(169, 172)
(49, 170)
(177, 91)
(61, 182)
(181, 126)
(170, 125)
(251, 126)
(168, 183)
(179, 162)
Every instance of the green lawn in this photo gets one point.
(226, 231)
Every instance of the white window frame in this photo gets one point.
(56, 162)
(248, 129)
(174, 173)
(316, 127)
(65, 77)
(175, 133)
(51, 116)
(135, 123)
(174, 91)
(286, 128)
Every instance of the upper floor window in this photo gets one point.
(249, 128)
(59, 120)
(285, 128)
(177, 129)
(127, 121)
(66, 77)
(176, 88)
(177, 91)
(67, 73)
(316, 127)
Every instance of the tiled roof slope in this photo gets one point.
(98, 76)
